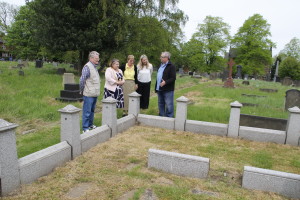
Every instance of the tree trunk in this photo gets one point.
(83, 58)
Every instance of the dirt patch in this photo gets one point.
(163, 181)
(79, 190)
(127, 195)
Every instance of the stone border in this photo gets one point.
(179, 164)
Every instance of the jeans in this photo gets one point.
(89, 104)
(166, 103)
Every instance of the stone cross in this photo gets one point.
(229, 83)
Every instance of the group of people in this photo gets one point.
(123, 80)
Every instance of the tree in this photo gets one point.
(7, 15)
(290, 67)
(253, 45)
(292, 49)
(214, 34)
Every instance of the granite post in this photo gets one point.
(134, 103)
(181, 113)
(70, 128)
(234, 120)
(9, 166)
(293, 127)
(109, 114)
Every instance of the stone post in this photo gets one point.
(234, 120)
(9, 166)
(70, 128)
(293, 127)
(181, 113)
(109, 114)
(134, 104)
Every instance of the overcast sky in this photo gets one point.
(283, 15)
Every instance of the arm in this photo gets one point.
(85, 74)
(109, 77)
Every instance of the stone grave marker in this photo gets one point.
(38, 63)
(239, 72)
(224, 75)
(292, 98)
(296, 83)
(287, 81)
(68, 78)
(180, 71)
(61, 71)
(246, 83)
(55, 64)
(213, 76)
(21, 73)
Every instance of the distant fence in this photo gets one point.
(14, 171)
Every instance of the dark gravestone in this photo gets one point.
(213, 76)
(38, 63)
(20, 66)
(61, 71)
(268, 90)
(225, 75)
(239, 72)
(263, 122)
(296, 83)
(292, 98)
(246, 83)
(180, 71)
(191, 73)
(287, 81)
(70, 93)
(21, 73)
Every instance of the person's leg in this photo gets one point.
(146, 95)
(86, 112)
(169, 99)
(93, 106)
(161, 103)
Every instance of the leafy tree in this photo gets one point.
(253, 45)
(7, 15)
(292, 49)
(290, 67)
(214, 34)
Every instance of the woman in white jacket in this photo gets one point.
(113, 83)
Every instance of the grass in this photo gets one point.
(119, 166)
(30, 102)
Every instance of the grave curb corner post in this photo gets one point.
(181, 113)
(109, 114)
(234, 120)
(293, 127)
(134, 103)
(70, 128)
(9, 165)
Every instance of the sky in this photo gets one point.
(282, 15)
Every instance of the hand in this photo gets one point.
(136, 86)
(162, 83)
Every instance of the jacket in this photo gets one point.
(169, 76)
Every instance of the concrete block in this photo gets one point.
(283, 183)
(206, 127)
(43, 162)
(125, 123)
(157, 121)
(94, 137)
(234, 120)
(181, 113)
(179, 164)
(262, 135)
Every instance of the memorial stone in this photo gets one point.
(38, 63)
(71, 92)
(287, 81)
(61, 71)
(68, 78)
(239, 72)
(292, 98)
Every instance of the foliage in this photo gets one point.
(292, 49)
(214, 34)
(253, 45)
(7, 15)
(290, 67)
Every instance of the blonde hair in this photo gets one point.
(130, 57)
(140, 64)
(113, 61)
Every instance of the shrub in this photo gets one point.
(290, 67)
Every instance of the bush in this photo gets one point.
(290, 67)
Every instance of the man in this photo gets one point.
(90, 88)
(164, 86)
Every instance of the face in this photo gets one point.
(131, 61)
(163, 58)
(115, 65)
(144, 61)
(95, 60)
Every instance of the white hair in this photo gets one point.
(93, 54)
(166, 54)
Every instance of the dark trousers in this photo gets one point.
(144, 90)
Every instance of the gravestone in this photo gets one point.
(55, 64)
(239, 72)
(205, 74)
(21, 73)
(68, 78)
(292, 98)
(61, 71)
(180, 70)
(246, 83)
(296, 83)
(224, 75)
(38, 63)
(213, 76)
(70, 93)
(287, 81)
(246, 76)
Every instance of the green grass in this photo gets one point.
(29, 101)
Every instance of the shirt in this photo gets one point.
(85, 74)
(160, 74)
(129, 72)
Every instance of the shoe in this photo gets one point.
(92, 127)
(84, 131)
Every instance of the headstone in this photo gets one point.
(70, 93)
(191, 73)
(225, 75)
(276, 72)
(38, 63)
(55, 64)
(68, 78)
(239, 72)
(296, 83)
(205, 74)
(21, 73)
(180, 70)
(61, 71)
(287, 81)
(213, 76)
(292, 98)
(246, 83)
(246, 76)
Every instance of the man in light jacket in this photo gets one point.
(90, 88)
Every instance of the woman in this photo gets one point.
(130, 85)
(113, 82)
(144, 69)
